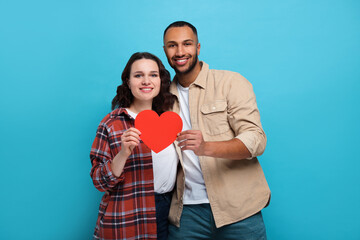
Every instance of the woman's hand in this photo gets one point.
(129, 140)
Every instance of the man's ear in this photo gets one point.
(198, 49)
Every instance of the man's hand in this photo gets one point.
(231, 149)
(192, 140)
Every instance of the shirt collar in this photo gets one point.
(118, 112)
(200, 79)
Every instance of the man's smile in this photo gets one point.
(181, 61)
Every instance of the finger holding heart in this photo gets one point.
(130, 139)
(191, 140)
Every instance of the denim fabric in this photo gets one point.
(197, 222)
(162, 203)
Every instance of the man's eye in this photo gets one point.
(171, 45)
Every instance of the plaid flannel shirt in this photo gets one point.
(127, 209)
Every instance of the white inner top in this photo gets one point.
(195, 190)
(164, 166)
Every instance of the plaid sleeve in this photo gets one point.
(101, 158)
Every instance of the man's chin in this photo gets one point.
(179, 71)
(185, 69)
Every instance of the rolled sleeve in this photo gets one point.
(244, 116)
(101, 173)
(255, 144)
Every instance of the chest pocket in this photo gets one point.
(215, 117)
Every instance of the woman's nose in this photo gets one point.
(146, 80)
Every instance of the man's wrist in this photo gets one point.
(208, 149)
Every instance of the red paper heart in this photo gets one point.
(158, 132)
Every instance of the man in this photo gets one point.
(221, 187)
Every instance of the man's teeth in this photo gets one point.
(181, 60)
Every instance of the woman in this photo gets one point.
(132, 176)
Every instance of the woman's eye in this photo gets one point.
(137, 75)
(154, 75)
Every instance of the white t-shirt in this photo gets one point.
(164, 166)
(195, 190)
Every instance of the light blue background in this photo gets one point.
(60, 64)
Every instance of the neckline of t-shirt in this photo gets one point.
(131, 113)
(182, 88)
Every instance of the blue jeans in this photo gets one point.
(197, 222)
(162, 203)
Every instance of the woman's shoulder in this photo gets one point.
(114, 114)
(118, 114)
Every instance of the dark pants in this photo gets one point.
(197, 223)
(162, 203)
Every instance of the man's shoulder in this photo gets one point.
(227, 76)
(224, 72)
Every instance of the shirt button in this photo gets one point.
(213, 108)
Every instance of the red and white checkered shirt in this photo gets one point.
(127, 209)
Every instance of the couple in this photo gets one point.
(218, 189)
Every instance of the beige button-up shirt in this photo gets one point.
(222, 106)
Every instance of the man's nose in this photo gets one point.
(179, 51)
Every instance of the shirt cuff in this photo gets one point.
(249, 141)
(112, 179)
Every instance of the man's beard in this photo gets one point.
(190, 68)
